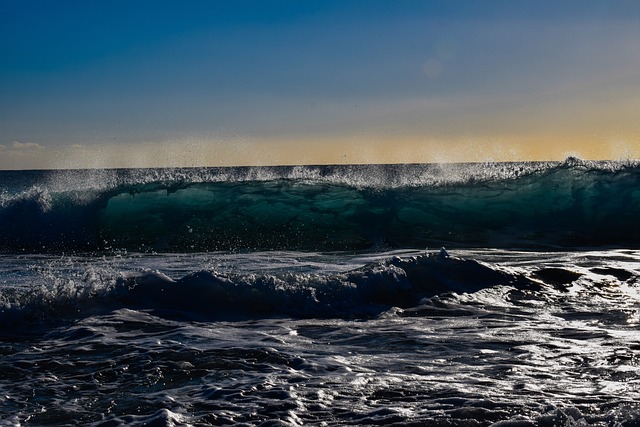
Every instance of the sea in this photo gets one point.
(475, 294)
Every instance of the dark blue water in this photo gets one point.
(320, 295)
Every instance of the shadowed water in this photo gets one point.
(541, 353)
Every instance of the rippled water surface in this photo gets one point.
(562, 349)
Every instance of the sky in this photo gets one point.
(266, 82)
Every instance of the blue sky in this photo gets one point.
(148, 83)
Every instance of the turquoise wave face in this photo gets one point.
(568, 204)
(264, 215)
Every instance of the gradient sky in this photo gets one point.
(158, 83)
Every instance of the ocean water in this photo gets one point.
(503, 294)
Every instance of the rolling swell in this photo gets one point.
(208, 295)
(573, 203)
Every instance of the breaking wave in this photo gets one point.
(573, 203)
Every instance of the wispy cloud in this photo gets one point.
(26, 146)
(22, 155)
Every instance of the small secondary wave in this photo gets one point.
(573, 203)
(364, 292)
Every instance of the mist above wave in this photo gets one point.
(361, 176)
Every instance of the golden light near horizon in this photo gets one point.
(196, 152)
